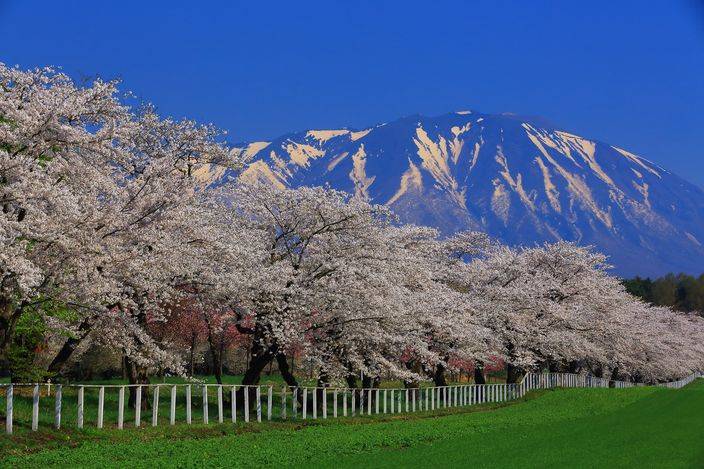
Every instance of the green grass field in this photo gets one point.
(638, 427)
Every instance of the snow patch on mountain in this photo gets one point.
(411, 179)
(323, 136)
(359, 174)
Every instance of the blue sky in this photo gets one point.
(628, 73)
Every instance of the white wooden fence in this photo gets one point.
(293, 403)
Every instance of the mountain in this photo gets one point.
(520, 179)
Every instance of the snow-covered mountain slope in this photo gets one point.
(519, 181)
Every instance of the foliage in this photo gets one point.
(22, 352)
(682, 292)
(31, 331)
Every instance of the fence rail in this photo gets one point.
(249, 403)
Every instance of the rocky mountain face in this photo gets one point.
(516, 178)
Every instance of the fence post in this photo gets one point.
(121, 408)
(79, 417)
(315, 403)
(294, 403)
(172, 413)
(35, 408)
(101, 405)
(220, 410)
(376, 404)
(188, 404)
(155, 407)
(384, 400)
(334, 403)
(344, 403)
(57, 407)
(305, 403)
(325, 402)
(354, 401)
(259, 403)
(205, 404)
(8, 409)
(269, 402)
(138, 407)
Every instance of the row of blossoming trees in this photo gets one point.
(105, 220)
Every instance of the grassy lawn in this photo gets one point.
(638, 427)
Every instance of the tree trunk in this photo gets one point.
(256, 365)
(598, 372)
(260, 358)
(217, 367)
(284, 369)
(513, 373)
(137, 375)
(613, 377)
(479, 373)
(9, 315)
(439, 375)
(69, 347)
(261, 354)
(321, 385)
(216, 350)
(191, 358)
(371, 382)
(351, 381)
(412, 365)
(573, 367)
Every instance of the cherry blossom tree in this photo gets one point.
(100, 206)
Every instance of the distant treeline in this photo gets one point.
(682, 292)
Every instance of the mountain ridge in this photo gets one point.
(515, 177)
